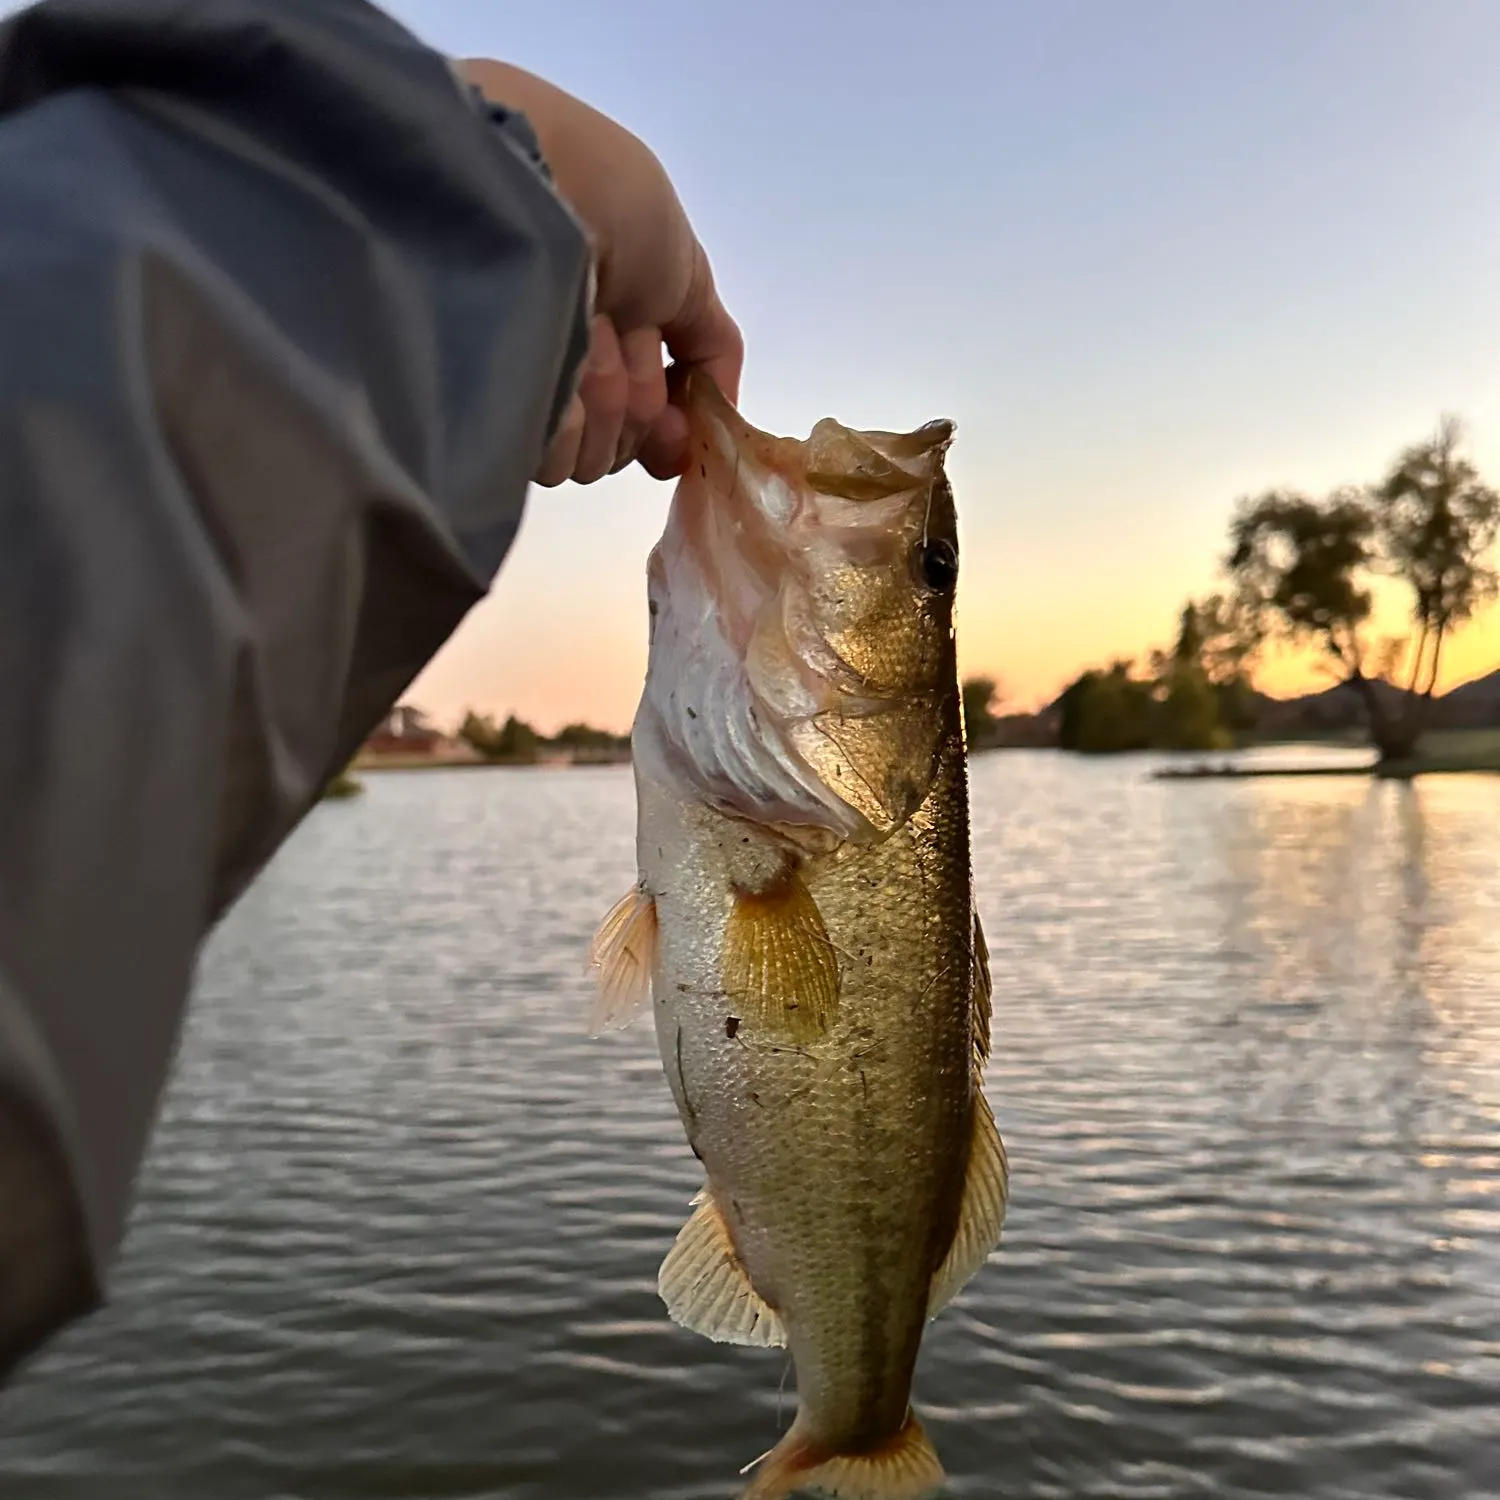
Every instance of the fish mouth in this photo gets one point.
(837, 461)
(762, 715)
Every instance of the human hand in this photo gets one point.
(655, 291)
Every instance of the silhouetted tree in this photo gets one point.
(1197, 683)
(1438, 523)
(1187, 649)
(515, 741)
(981, 695)
(1102, 713)
(1302, 571)
(1228, 639)
(1187, 710)
(586, 737)
(477, 732)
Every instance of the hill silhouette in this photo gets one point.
(1470, 705)
(1334, 710)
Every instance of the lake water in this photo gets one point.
(399, 1233)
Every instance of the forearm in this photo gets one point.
(287, 326)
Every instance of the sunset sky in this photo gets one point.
(1151, 256)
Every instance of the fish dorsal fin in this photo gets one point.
(983, 998)
(623, 954)
(987, 1181)
(707, 1289)
(779, 968)
(982, 1214)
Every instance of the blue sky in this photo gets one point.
(1151, 256)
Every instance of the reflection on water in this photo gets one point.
(399, 1233)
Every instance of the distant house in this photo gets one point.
(406, 731)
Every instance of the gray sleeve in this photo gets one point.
(285, 319)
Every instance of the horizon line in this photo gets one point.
(1003, 709)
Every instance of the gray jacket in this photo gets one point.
(286, 316)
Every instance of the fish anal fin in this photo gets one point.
(707, 1289)
(623, 954)
(905, 1467)
(779, 968)
(982, 1214)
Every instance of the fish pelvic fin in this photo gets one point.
(982, 1213)
(905, 1467)
(707, 1289)
(623, 956)
(779, 966)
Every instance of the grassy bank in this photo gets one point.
(1451, 751)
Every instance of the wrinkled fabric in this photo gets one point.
(287, 318)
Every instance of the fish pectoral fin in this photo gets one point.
(623, 954)
(982, 1214)
(905, 1467)
(707, 1289)
(780, 969)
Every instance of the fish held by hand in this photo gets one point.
(804, 924)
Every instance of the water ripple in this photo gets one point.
(399, 1232)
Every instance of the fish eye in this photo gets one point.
(937, 562)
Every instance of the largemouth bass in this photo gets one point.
(804, 922)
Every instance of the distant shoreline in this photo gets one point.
(440, 763)
(1454, 753)
(1397, 771)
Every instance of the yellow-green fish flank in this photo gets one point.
(804, 924)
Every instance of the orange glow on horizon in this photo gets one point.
(596, 677)
(562, 635)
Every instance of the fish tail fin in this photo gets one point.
(905, 1467)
